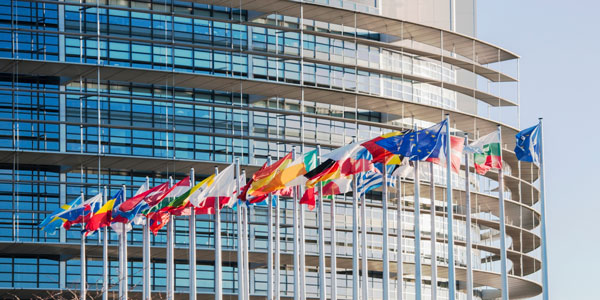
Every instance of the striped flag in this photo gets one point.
(103, 216)
(486, 153)
(52, 222)
(82, 212)
(266, 174)
(456, 147)
(292, 174)
(222, 189)
(371, 180)
(158, 217)
(151, 197)
(337, 186)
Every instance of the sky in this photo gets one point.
(559, 46)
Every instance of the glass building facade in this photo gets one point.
(98, 93)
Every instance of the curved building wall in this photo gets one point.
(160, 87)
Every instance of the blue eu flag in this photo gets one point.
(528, 145)
(418, 145)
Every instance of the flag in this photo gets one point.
(379, 153)
(158, 221)
(343, 161)
(372, 180)
(266, 174)
(238, 196)
(151, 197)
(249, 199)
(177, 190)
(338, 163)
(159, 214)
(359, 161)
(135, 215)
(181, 205)
(405, 170)
(417, 145)
(171, 195)
(363, 163)
(528, 145)
(336, 176)
(138, 219)
(220, 191)
(102, 217)
(309, 198)
(337, 186)
(287, 177)
(486, 153)
(456, 147)
(264, 203)
(118, 217)
(82, 212)
(52, 222)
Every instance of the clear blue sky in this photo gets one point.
(559, 45)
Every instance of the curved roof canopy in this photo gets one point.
(465, 46)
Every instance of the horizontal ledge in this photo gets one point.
(487, 98)
(488, 73)
(448, 40)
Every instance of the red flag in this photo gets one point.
(258, 199)
(207, 207)
(309, 198)
(101, 218)
(378, 152)
(286, 192)
(205, 211)
(456, 147)
(353, 166)
(158, 221)
(81, 219)
(338, 186)
(151, 196)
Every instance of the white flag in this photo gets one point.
(223, 186)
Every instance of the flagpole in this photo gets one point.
(355, 257)
(468, 225)
(295, 224)
(240, 243)
(417, 217)
(433, 233)
(399, 258)
(246, 247)
(365, 260)
(322, 266)
(333, 256)
(170, 249)
(192, 242)
(82, 258)
(270, 243)
(545, 286)
(124, 243)
(105, 255)
(302, 246)
(218, 257)
(243, 250)
(121, 263)
(277, 251)
(502, 226)
(386, 258)
(451, 276)
(146, 256)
